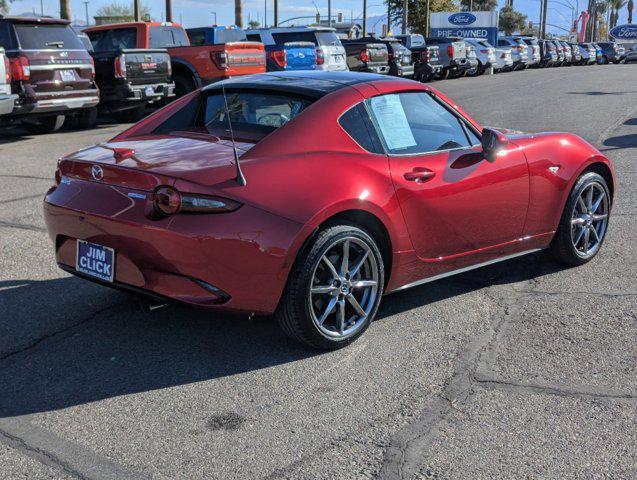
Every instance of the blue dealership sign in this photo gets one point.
(465, 25)
(624, 32)
(462, 18)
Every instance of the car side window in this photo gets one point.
(254, 37)
(197, 38)
(357, 124)
(415, 122)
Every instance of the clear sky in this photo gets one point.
(198, 12)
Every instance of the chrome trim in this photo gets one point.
(58, 50)
(465, 269)
(60, 66)
(65, 94)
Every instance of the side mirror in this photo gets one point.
(492, 142)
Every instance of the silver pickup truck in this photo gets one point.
(7, 100)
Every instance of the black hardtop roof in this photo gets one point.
(310, 83)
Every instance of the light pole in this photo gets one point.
(265, 13)
(364, 18)
(215, 16)
(86, 10)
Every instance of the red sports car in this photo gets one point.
(312, 194)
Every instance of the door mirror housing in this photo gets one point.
(492, 143)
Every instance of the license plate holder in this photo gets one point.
(95, 261)
(149, 91)
(67, 75)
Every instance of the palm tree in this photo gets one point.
(65, 9)
(615, 7)
(238, 13)
(630, 11)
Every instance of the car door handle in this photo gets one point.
(419, 174)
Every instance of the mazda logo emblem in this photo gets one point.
(97, 172)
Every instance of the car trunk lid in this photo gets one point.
(300, 55)
(144, 163)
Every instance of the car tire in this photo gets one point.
(573, 243)
(443, 75)
(605, 60)
(84, 120)
(183, 84)
(130, 115)
(45, 124)
(319, 288)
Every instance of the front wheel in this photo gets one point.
(584, 221)
(334, 289)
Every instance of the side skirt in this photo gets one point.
(462, 270)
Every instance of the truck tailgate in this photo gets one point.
(377, 53)
(145, 66)
(245, 58)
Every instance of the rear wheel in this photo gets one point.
(584, 222)
(183, 84)
(130, 115)
(443, 74)
(334, 289)
(45, 124)
(83, 120)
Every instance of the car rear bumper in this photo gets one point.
(333, 67)
(126, 93)
(7, 103)
(236, 261)
(405, 70)
(59, 102)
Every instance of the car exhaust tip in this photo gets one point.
(146, 305)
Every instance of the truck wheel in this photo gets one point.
(444, 73)
(131, 115)
(83, 120)
(183, 84)
(45, 124)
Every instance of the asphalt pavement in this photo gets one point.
(524, 369)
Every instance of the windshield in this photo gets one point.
(37, 37)
(115, 39)
(230, 35)
(164, 37)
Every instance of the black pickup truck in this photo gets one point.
(426, 58)
(129, 78)
(366, 54)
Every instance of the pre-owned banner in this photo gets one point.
(465, 25)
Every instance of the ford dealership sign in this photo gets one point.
(466, 25)
(462, 18)
(624, 32)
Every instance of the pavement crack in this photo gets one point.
(26, 197)
(551, 389)
(33, 344)
(43, 456)
(30, 177)
(21, 226)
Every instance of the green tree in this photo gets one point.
(511, 20)
(4, 7)
(122, 12)
(479, 5)
(253, 24)
(417, 12)
(615, 6)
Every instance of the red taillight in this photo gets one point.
(58, 176)
(20, 68)
(119, 65)
(280, 57)
(320, 57)
(7, 70)
(450, 50)
(364, 56)
(485, 51)
(169, 201)
(221, 59)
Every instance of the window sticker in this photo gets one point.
(392, 121)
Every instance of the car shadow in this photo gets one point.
(119, 351)
(621, 141)
(600, 94)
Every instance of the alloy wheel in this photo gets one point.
(344, 287)
(589, 220)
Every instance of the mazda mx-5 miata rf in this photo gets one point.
(312, 194)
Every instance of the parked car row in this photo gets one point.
(51, 74)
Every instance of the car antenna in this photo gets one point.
(241, 180)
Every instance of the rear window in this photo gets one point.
(36, 37)
(115, 39)
(315, 37)
(230, 35)
(197, 37)
(253, 114)
(417, 40)
(163, 37)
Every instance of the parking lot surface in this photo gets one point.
(524, 369)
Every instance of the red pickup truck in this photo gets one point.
(192, 66)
